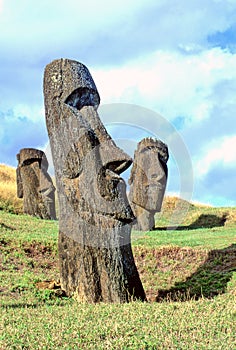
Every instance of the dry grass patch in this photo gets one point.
(8, 189)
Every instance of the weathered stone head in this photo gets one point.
(87, 161)
(34, 184)
(94, 209)
(148, 181)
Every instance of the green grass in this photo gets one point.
(193, 325)
(219, 237)
(189, 275)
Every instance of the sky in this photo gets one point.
(174, 59)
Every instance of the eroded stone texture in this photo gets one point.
(34, 184)
(95, 256)
(148, 181)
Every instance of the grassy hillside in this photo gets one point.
(189, 275)
(193, 215)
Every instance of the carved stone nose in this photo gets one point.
(113, 157)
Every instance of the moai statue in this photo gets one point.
(34, 184)
(95, 256)
(148, 182)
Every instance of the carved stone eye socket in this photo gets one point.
(83, 97)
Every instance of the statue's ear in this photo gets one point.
(73, 163)
(132, 173)
(72, 166)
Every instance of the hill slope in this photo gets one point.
(175, 211)
(189, 276)
(178, 212)
(8, 197)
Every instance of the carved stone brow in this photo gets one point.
(81, 97)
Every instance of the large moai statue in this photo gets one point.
(148, 182)
(95, 256)
(34, 184)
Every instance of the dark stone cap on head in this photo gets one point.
(149, 143)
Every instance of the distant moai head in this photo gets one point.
(149, 174)
(87, 161)
(34, 183)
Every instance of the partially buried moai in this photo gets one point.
(148, 182)
(34, 184)
(95, 256)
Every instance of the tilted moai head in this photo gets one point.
(34, 184)
(148, 181)
(94, 209)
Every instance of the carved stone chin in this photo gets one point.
(148, 182)
(95, 256)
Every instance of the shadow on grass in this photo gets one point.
(209, 280)
(203, 221)
(2, 225)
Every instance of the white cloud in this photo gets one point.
(33, 113)
(154, 54)
(65, 21)
(171, 83)
(104, 32)
(220, 151)
(199, 87)
(19, 131)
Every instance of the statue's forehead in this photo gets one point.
(64, 76)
